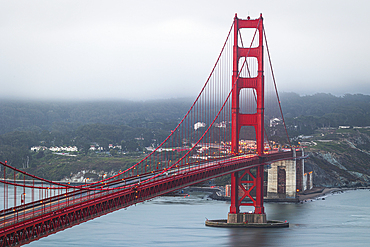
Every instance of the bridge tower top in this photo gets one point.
(255, 83)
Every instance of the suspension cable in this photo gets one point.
(277, 94)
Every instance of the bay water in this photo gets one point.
(335, 220)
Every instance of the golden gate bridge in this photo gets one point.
(235, 104)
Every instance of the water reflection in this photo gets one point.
(268, 236)
(247, 237)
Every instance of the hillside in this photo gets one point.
(62, 116)
(305, 114)
(338, 157)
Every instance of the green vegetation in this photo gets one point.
(131, 125)
(339, 157)
(330, 147)
(305, 114)
(66, 116)
(136, 125)
(56, 167)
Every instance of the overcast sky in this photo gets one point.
(86, 50)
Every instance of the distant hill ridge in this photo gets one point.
(43, 115)
(302, 113)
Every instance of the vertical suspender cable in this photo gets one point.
(276, 91)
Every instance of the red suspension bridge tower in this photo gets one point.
(254, 119)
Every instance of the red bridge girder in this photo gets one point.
(43, 225)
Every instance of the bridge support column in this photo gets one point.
(259, 208)
(234, 195)
(248, 185)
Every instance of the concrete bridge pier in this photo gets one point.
(246, 218)
(285, 179)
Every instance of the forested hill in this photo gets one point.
(43, 115)
(304, 114)
(136, 125)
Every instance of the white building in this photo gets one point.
(274, 122)
(55, 149)
(67, 149)
(113, 147)
(37, 148)
(220, 125)
(199, 125)
(93, 148)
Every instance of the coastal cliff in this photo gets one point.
(339, 157)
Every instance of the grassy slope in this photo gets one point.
(345, 147)
(56, 167)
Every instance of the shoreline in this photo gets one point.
(307, 196)
(317, 192)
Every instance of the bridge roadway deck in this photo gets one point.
(39, 219)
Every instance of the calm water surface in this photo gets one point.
(339, 220)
